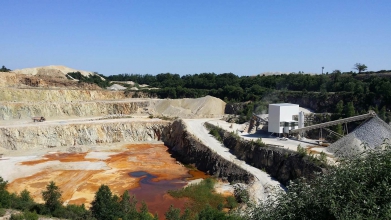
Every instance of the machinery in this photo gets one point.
(370, 114)
(38, 119)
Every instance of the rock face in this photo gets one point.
(16, 110)
(119, 130)
(187, 149)
(60, 95)
(16, 80)
(282, 164)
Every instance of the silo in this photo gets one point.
(301, 119)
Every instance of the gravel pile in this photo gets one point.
(207, 106)
(370, 135)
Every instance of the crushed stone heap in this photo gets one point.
(207, 106)
(369, 135)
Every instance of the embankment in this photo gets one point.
(282, 164)
(187, 149)
(81, 133)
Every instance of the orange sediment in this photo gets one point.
(79, 186)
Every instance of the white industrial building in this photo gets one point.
(281, 117)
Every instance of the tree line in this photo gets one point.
(108, 206)
(231, 87)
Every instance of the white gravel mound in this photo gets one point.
(370, 135)
(116, 87)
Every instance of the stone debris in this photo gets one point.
(368, 136)
(116, 87)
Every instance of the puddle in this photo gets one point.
(154, 193)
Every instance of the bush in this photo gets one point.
(17, 217)
(215, 133)
(241, 194)
(301, 151)
(2, 212)
(30, 215)
(358, 188)
(231, 202)
(201, 194)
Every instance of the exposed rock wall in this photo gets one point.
(42, 80)
(96, 132)
(282, 164)
(58, 95)
(235, 108)
(16, 110)
(187, 149)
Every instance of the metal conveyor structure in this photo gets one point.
(370, 114)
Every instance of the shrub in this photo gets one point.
(301, 151)
(30, 215)
(215, 133)
(358, 188)
(241, 194)
(231, 202)
(201, 194)
(17, 217)
(2, 212)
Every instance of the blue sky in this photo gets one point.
(187, 37)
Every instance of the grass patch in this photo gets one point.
(202, 195)
(215, 133)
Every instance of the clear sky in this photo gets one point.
(195, 36)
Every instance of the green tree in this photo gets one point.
(186, 215)
(382, 113)
(336, 75)
(339, 107)
(52, 197)
(349, 110)
(24, 201)
(360, 67)
(128, 206)
(173, 213)
(104, 205)
(4, 69)
(4, 194)
(144, 213)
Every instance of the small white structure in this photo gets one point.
(301, 119)
(281, 117)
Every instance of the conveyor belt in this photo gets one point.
(371, 114)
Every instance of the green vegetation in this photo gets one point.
(93, 79)
(215, 133)
(4, 69)
(25, 216)
(362, 91)
(52, 197)
(358, 188)
(204, 201)
(2, 212)
(360, 67)
(108, 206)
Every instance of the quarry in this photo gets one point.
(91, 136)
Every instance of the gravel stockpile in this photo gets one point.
(369, 135)
(207, 106)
